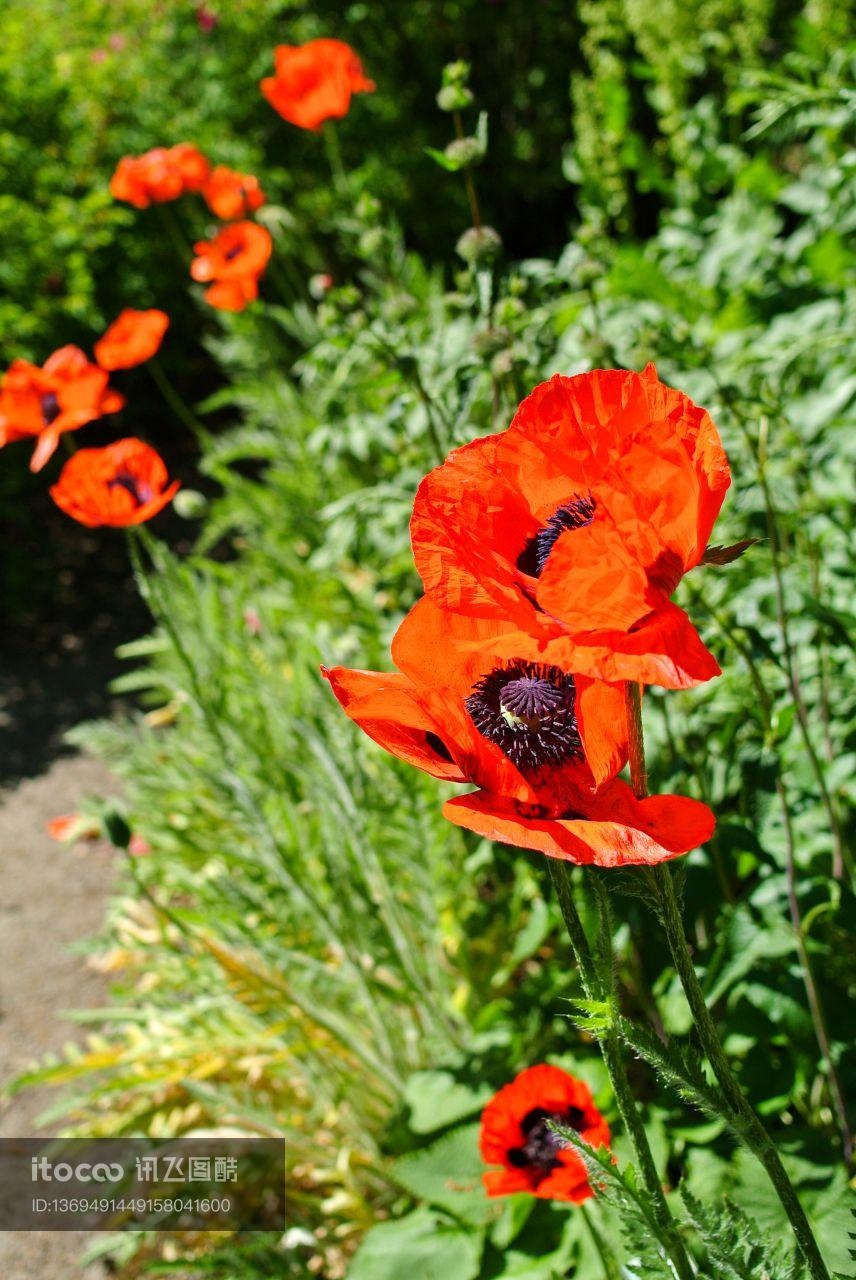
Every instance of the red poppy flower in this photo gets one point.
(231, 195)
(534, 1159)
(234, 260)
(192, 166)
(124, 483)
(41, 403)
(542, 745)
(131, 339)
(314, 82)
(577, 524)
(161, 174)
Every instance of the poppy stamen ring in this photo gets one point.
(139, 490)
(575, 514)
(539, 1152)
(528, 710)
(50, 408)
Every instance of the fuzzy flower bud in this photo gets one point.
(479, 246)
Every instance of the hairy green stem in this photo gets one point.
(334, 157)
(749, 1126)
(612, 1051)
(475, 212)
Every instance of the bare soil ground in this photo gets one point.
(67, 599)
(50, 898)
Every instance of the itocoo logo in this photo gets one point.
(42, 1169)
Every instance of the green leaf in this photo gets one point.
(421, 1246)
(437, 1099)
(448, 1174)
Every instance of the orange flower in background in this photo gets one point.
(192, 166)
(231, 195)
(161, 174)
(515, 1133)
(71, 827)
(234, 260)
(542, 745)
(122, 484)
(314, 82)
(577, 524)
(40, 403)
(131, 339)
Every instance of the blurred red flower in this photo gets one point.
(161, 174)
(577, 524)
(234, 260)
(515, 1134)
(131, 339)
(40, 403)
(314, 82)
(542, 745)
(206, 20)
(70, 827)
(122, 484)
(232, 195)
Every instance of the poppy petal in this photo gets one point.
(387, 708)
(647, 831)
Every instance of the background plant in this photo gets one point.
(363, 974)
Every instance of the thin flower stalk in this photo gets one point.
(613, 1056)
(747, 1123)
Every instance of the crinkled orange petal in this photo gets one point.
(592, 581)
(232, 295)
(641, 832)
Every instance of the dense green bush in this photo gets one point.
(642, 92)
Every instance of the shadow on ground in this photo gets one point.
(67, 600)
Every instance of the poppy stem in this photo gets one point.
(475, 212)
(173, 399)
(636, 741)
(747, 1123)
(334, 158)
(174, 233)
(613, 1057)
(749, 1126)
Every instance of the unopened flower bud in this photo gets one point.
(190, 504)
(464, 152)
(479, 246)
(454, 97)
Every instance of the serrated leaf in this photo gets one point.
(436, 1099)
(421, 1246)
(448, 1174)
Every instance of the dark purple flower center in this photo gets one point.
(527, 709)
(50, 408)
(541, 1146)
(138, 489)
(575, 514)
(231, 254)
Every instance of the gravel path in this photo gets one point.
(50, 897)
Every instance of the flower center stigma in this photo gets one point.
(539, 1151)
(50, 408)
(527, 709)
(139, 491)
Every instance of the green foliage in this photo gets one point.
(309, 948)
